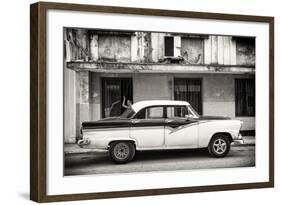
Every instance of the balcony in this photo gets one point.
(118, 67)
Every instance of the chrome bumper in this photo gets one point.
(239, 140)
(84, 142)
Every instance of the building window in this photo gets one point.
(245, 51)
(114, 90)
(245, 97)
(189, 90)
(169, 46)
(192, 50)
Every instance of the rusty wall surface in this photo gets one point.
(192, 50)
(148, 47)
(114, 48)
(76, 44)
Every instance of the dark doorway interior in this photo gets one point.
(190, 90)
(116, 92)
(169, 46)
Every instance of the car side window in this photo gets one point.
(177, 112)
(150, 113)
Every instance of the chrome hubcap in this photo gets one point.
(219, 146)
(121, 151)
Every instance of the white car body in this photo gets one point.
(188, 132)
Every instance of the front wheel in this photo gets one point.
(122, 152)
(219, 145)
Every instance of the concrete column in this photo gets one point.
(226, 50)
(155, 46)
(161, 45)
(67, 46)
(69, 105)
(134, 48)
(220, 50)
(94, 52)
(232, 52)
(214, 49)
(207, 51)
(140, 46)
(94, 96)
(82, 99)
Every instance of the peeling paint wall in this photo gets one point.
(192, 50)
(76, 44)
(114, 48)
(220, 50)
(149, 47)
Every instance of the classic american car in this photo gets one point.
(160, 125)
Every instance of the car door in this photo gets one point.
(147, 127)
(180, 131)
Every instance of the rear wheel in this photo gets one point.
(122, 152)
(219, 145)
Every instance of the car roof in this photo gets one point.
(142, 104)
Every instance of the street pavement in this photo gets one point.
(89, 163)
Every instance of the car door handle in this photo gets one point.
(168, 121)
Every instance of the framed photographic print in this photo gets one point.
(134, 102)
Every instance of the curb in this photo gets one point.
(243, 145)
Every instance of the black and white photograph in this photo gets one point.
(130, 102)
(150, 101)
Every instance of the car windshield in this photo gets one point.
(193, 112)
(127, 113)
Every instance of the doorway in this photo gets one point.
(116, 92)
(190, 90)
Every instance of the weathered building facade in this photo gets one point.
(104, 69)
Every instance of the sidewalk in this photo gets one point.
(75, 149)
(71, 148)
